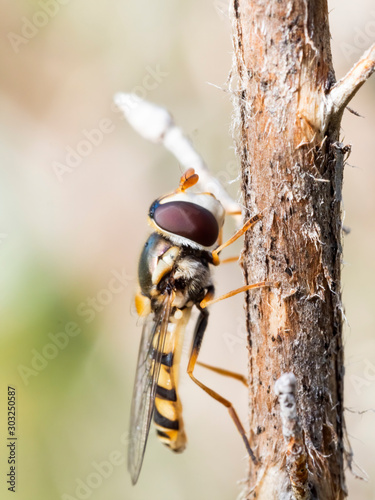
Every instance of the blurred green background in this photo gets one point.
(69, 244)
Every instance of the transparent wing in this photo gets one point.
(148, 369)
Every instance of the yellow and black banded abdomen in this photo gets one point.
(168, 408)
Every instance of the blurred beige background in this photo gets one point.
(69, 242)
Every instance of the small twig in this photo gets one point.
(296, 456)
(344, 90)
(156, 124)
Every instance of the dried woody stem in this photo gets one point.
(288, 109)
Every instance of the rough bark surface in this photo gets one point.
(292, 167)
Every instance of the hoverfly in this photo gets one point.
(174, 275)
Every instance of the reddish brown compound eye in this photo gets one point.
(188, 220)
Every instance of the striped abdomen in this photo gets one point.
(168, 408)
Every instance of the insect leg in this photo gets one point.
(238, 234)
(207, 301)
(225, 373)
(197, 342)
(230, 259)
